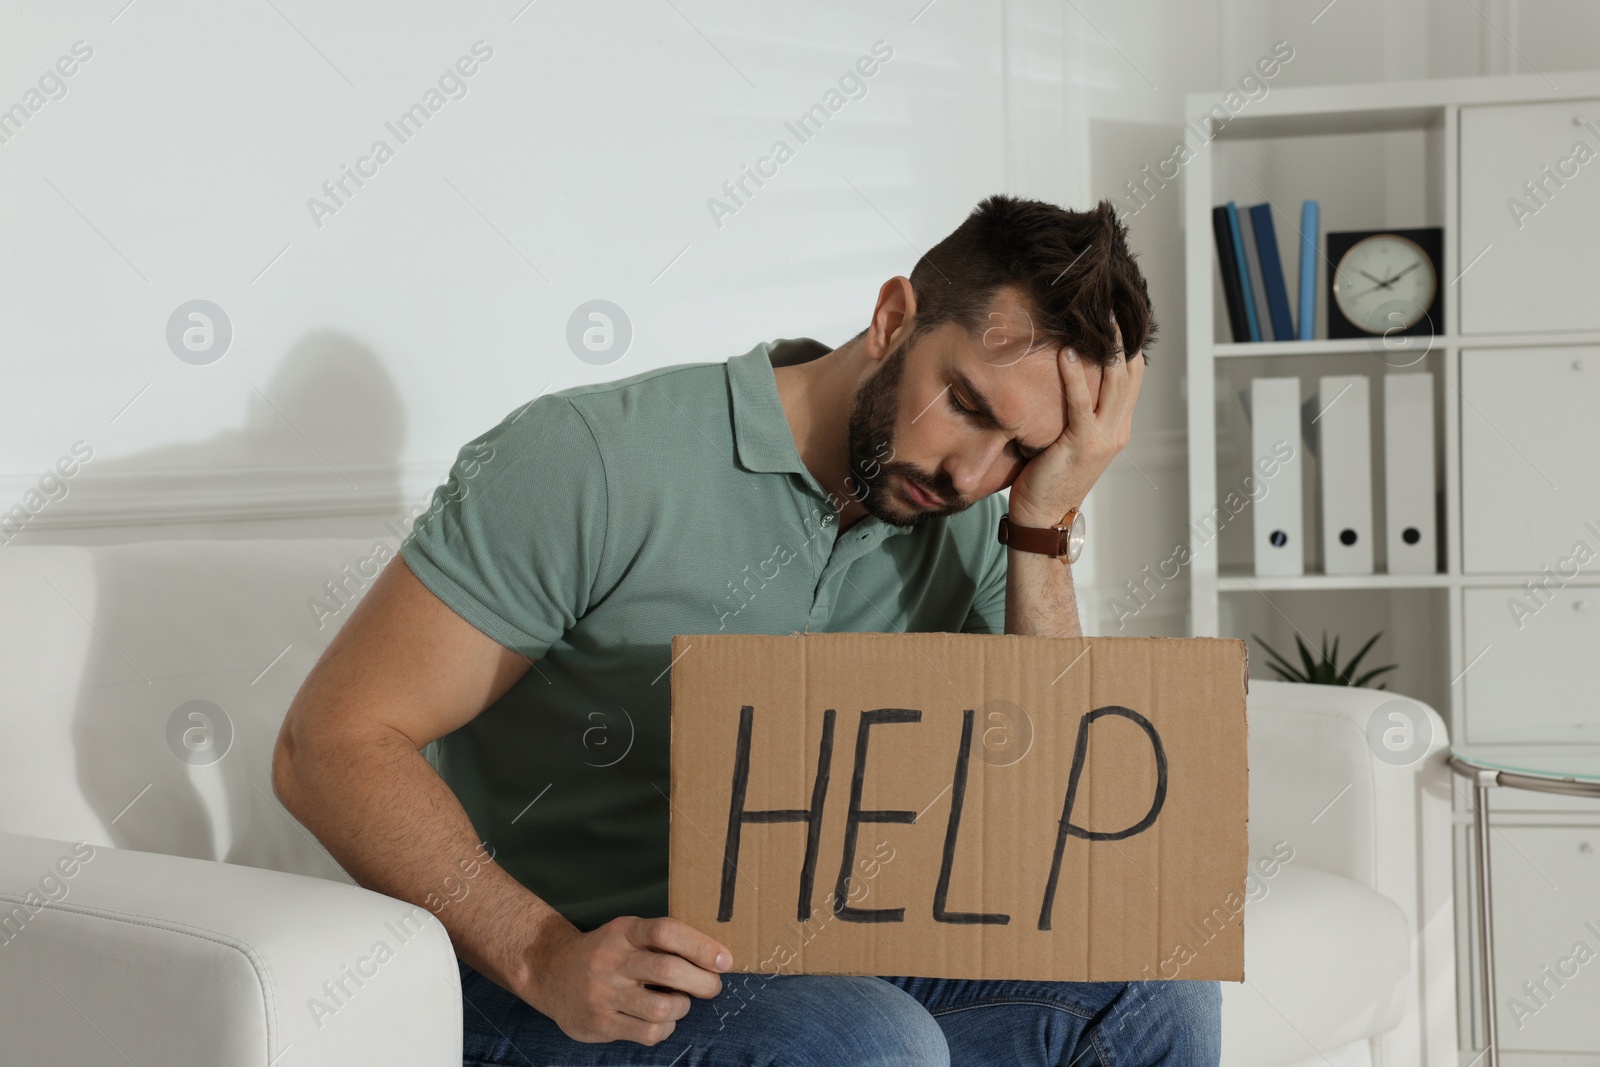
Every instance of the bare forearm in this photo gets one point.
(385, 814)
(1040, 601)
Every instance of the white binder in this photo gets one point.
(1411, 535)
(1344, 427)
(1274, 433)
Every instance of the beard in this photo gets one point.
(874, 411)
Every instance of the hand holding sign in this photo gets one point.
(630, 979)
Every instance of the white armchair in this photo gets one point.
(1350, 954)
(152, 950)
(163, 959)
(199, 924)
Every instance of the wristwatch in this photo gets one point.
(1063, 541)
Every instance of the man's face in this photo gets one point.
(905, 429)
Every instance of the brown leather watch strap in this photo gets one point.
(1046, 540)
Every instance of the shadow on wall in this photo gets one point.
(330, 422)
(331, 406)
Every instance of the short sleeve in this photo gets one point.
(988, 614)
(513, 540)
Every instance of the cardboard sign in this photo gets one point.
(962, 805)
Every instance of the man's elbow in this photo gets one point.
(286, 768)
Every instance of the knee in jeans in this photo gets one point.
(910, 1038)
(1186, 1014)
(870, 1023)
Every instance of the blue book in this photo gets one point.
(1272, 272)
(1263, 316)
(1308, 268)
(1244, 272)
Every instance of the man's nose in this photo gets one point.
(973, 467)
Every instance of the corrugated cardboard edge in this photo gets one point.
(1244, 912)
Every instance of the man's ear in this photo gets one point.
(893, 318)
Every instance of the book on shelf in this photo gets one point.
(1309, 221)
(1275, 293)
(1243, 268)
(1258, 285)
(1228, 271)
(1254, 273)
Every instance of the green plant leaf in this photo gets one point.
(1287, 669)
(1326, 675)
(1365, 678)
(1350, 668)
(1305, 654)
(1324, 669)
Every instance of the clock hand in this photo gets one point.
(1369, 277)
(1389, 282)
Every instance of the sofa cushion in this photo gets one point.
(1325, 964)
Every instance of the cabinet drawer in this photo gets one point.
(1546, 883)
(1539, 272)
(1540, 678)
(1530, 459)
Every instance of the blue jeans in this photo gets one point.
(801, 1020)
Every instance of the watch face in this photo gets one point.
(1075, 538)
(1385, 283)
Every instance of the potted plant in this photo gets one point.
(1325, 669)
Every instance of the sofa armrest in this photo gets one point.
(1317, 782)
(109, 956)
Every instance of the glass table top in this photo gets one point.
(1577, 763)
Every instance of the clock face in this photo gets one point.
(1385, 283)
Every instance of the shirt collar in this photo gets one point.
(760, 426)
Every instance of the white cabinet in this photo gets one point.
(1530, 205)
(1530, 460)
(1537, 669)
(1547, 904)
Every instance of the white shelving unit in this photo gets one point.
(1392, 155)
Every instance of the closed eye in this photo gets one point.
(961, 409)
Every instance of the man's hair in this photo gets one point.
(1072, 268)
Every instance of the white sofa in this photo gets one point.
(197, 923)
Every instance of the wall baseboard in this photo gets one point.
(161, 498)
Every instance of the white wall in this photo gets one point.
(577, 166)
(369, 344)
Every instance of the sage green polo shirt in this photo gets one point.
(589, 527)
